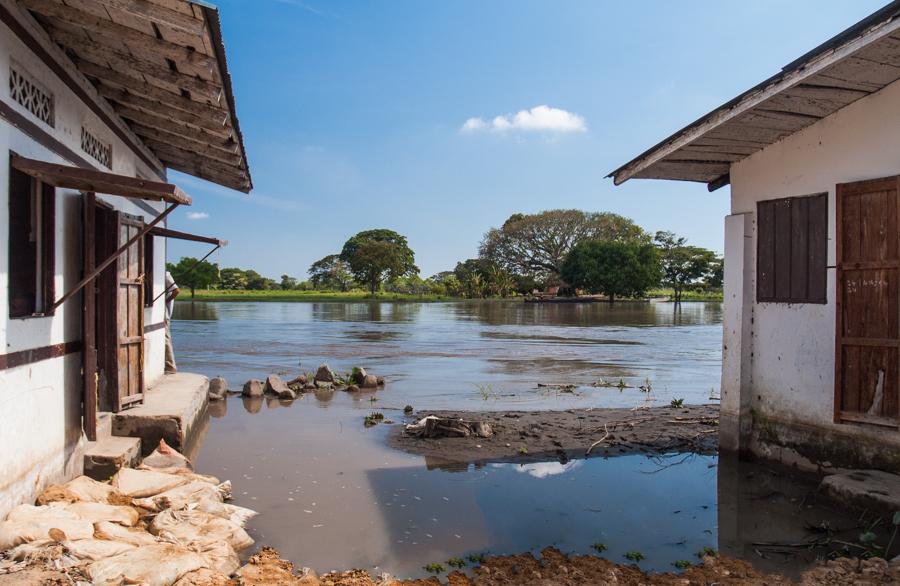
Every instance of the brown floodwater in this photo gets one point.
(332, 495)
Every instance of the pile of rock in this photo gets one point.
(324, 379)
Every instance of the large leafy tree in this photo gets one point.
(288, 282)
(331, 272)
(616, 269)
(683, 267)
(536, 245)
(379, 255)
(233, 278)
(193, 274)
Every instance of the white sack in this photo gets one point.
(191, 526)
(27, 523)
(144, 483)
(96, 512)
(161, 564)
(115, 532)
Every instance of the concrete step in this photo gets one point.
(104, 457)
(865, 489)
(170, 410)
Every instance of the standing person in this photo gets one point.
(172, 292)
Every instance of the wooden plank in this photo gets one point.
(867, 419)
(862, 73)
(851, 378)
(159, 14)
(236, 181)
(89, 323)
(171, 153)
(199, 142)
(817, 275)
(799, 253)
(137, 41)
(765, 251)
(184, 109)
(158, 120)
(169, 233)
(782, 214)
(819, 102)
(100, 182)
(850, 242)
(839, 349)
(210, 156)
(685, 170)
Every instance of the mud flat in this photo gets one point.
(543, 435)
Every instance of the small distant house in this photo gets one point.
(99, 99)
(811, 348)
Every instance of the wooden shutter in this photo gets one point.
(792, 244)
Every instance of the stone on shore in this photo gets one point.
(324, 384)
(359, 375)
(298, 383)
(218, 389)
(253, 388)
(380, 380)
(353, 389)
(325, 374)
(370, 381)
(276, 386)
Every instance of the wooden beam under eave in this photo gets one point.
(136, 41)
(163, 120)
(112, 83)
(169, 153)
(158, 14)
(225, 159)
(195, 142)
(719, 183)
(214, 117)
(102, 55)
(230, 180)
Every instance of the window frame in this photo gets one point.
(789, 298)
(44, 285)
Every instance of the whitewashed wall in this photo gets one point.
(40, 433)
(792, 362)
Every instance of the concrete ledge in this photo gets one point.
(104, 457)
(864, 489)
(169, 411)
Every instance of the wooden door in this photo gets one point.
(130, 314)
(868, 302)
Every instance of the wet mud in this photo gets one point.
(543, 435)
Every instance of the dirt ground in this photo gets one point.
(542, 435)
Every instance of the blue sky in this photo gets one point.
(353, 114)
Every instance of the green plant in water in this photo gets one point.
(677, 403)
(456, 562)
(373, 419)
(408, 409)
(622, 384)
(634, 556)
(485, 390)
(523, 451)
(707, 550)
(682, 564)
(434, 568)
(476, 558)
(598, 546)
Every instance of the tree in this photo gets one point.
(330, 272)
(536, 245)
(683, 267)
(616, 269)
(256, 282)
(379, 255)
(288, 283)
(715, 277)
(193, 274)
(233, 278)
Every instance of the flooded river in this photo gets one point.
(333, 496)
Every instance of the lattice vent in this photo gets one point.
(25, 90)
(96, 148)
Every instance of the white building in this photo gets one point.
(98, 99)
(811, 370)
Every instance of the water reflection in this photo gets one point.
(194, 310)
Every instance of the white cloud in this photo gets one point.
(197, 215)
(543, 469)
(538, 119)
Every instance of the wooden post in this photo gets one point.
(89, 325)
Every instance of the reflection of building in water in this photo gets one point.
(811, 352)
(187, 309)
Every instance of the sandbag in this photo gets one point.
(219, 555)
(81, 489)
(165, 456)
(204, 577)
(115, 532)
(161, 564)
(186, 494)
(27, 523)
(96, 549)
(239, 515)
(144, 483)
(192, 526)
(96, 512)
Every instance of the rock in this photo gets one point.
(276, 386)
(438, 427)
(873, 489)
(253, 388)
(380, 380)
(369, 382)
(324, 374)
(218, 389)
(323, 385)
(298, 383)
(359, 375)
(310, 387)
(353, 389)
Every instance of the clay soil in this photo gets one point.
(543, 435)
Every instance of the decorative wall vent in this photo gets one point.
(96, 148)
(25, 90)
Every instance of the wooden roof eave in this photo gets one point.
(168, 233)
(89, 180)
(666, 160)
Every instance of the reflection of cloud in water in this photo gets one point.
(543, 469)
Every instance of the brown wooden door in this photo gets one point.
(868, 302)
(130, 313)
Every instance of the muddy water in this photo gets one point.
(333, 496)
